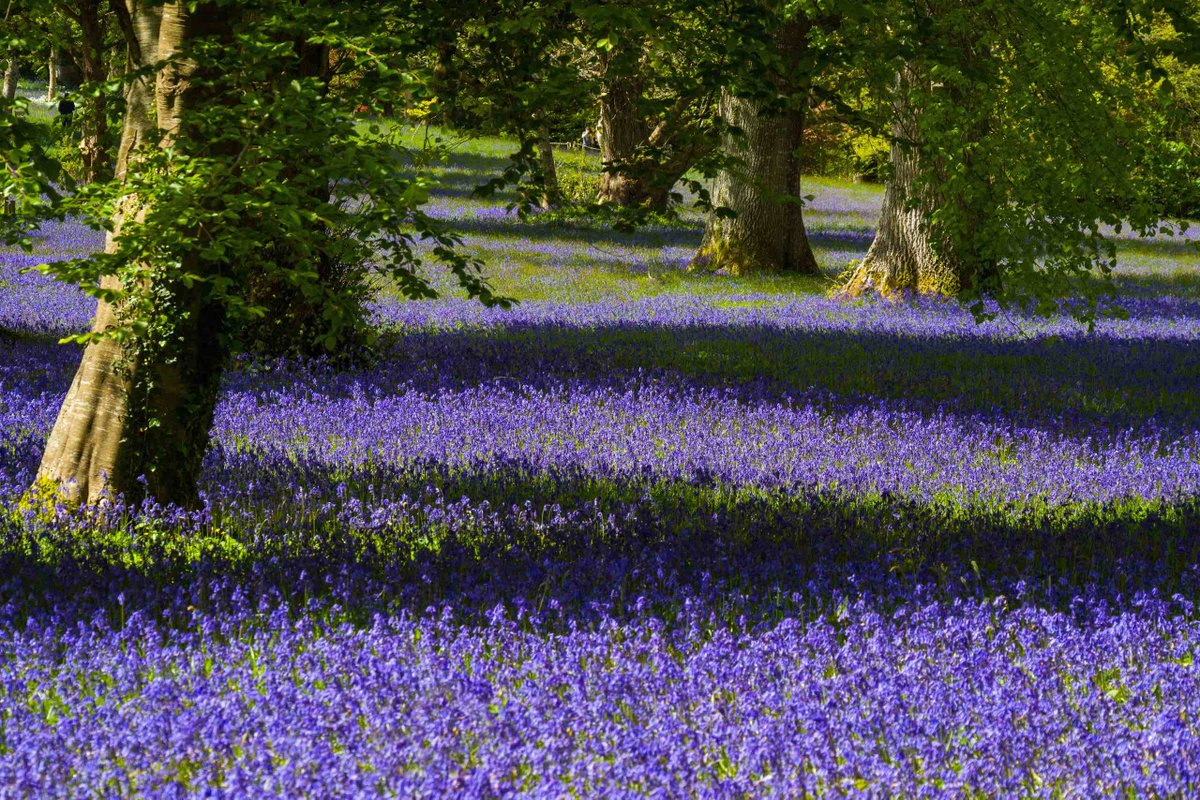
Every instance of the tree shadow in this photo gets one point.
(1174, 248)
(587, 541)
(502, 225)
(1064, 383)
(463, 183)
(383, 539)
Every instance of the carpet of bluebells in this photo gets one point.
(647, 534)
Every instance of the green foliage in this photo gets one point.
(30, 176)
(1171, 108)
(1026, 113)
(268, 188)
(871, 153)
(578, 180)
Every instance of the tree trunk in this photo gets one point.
(117, 62)
(767, 234)
(12, 74)
(10, 93)
(903, 257)
(763, 187)
(52, 71)
(145, 409)
(551, 194)
(94, 128)
(643, 158)
(623, 131)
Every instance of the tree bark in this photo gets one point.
(144, 410)
(52, 71)
(767, 234)
(551, 194)
(762, 188)
(10, 93)
(642, 158)
(903, 257)
(12, 74)
(94, 128)
(623, 131)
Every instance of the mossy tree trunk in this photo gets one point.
(145, 409)
(902, 257)
(767, 235)
(905, 255)
(762, 187)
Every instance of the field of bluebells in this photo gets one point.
(647, 534)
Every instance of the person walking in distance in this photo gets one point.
(66, 111)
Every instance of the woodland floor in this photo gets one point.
(648, 533)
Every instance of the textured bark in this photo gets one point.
(643, 159)
(144, 410)
(12, 74)
(550, 190)
(623, 131)
(903, 258)
(767, 234)
(763, 188)
(94, 120)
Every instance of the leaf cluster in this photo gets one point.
(277, 175)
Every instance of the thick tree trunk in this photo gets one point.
(767, 234)
(763, 188)
(551, 194)
(144, 409)
(623, 131)
(903, 257)
(12, 74)
(94, 129)
(642, 158)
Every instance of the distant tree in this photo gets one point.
(659, 70)
(82, 28)
(12, 74)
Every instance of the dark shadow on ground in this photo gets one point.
(1174, 248)
(508, 532)
(1179, 290)
(1063, 383)
(579, 543)
(533, 230)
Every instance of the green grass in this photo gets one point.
(595, 263)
